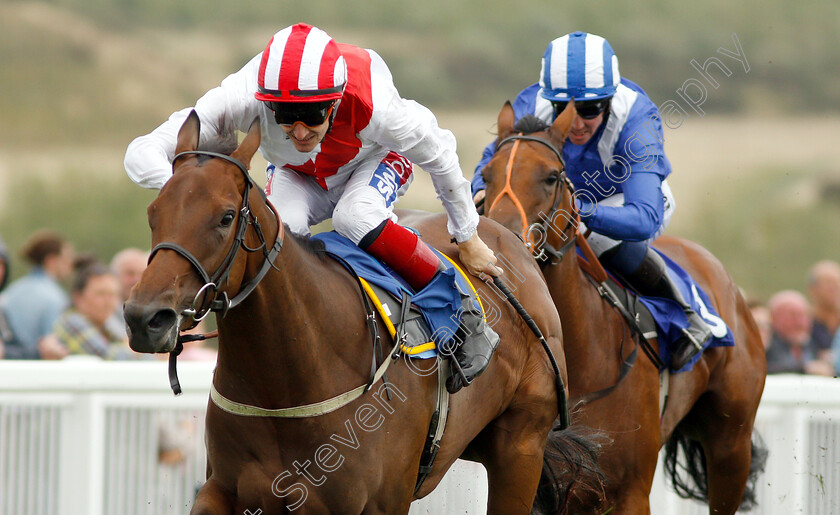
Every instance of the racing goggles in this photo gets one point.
(585, 109)
(311, 114)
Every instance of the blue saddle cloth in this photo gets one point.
(439, 301)
(670, 318)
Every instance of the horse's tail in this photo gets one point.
(689, 476)
(570, 468)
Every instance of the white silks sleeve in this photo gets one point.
(221, 111)
(411, 129)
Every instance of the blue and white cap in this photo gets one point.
(579, 65)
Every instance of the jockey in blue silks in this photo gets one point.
(616, 160)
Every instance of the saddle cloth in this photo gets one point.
(438, 304)
(669, 317)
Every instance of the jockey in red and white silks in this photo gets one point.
(340, 142)
(370, 121)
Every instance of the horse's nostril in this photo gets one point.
(162, 319)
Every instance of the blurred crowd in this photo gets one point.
(69, 304)
(39, 320)
(800, 330)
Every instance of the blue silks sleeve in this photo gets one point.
(640, 216)
(478, 179)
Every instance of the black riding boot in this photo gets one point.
(471, 348)
(652, 279)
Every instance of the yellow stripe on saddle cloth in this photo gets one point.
(418, 333)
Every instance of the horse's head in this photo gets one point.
(199, 221)
(526, 179)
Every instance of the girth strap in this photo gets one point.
(329, 405)
(626, 364)
(436, 427)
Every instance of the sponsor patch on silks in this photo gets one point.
(269, 175)
(390, 175)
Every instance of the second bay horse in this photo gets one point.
(710, 410)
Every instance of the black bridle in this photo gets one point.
(544, 252)
(212, 298)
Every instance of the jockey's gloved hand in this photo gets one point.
(584, 207)
(477, 257)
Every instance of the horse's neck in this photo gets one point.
(292, 338)
(577, 301)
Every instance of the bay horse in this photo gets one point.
(710, 410)
(293, 331)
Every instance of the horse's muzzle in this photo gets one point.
(151, 329)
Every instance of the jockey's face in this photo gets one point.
(582, 130)
(304, 137)
(305, 123)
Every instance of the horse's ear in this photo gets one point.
(250, 144)
(505, 122)
(188, 135)
(560, 128)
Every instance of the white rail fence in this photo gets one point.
(95, 438)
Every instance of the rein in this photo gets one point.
(220, 303)
(545, 253)
(527, 230)
(562, 399)
(213, 299)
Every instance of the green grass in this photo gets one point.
(94, 74)
(769, 226)
(98, 214)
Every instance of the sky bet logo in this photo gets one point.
(387, 182)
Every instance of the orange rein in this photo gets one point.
(507, 190)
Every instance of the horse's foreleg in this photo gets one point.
(728, 465)
(212, 499)
(511, 449)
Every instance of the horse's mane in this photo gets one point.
(315, 247)
(530, 123)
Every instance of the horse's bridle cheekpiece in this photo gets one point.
(534, 235)
(210, 297)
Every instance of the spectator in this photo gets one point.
(84, 328)
(761, 315)
(791, 349)
(34, 302)
(128, 264)
(5, 333)
(824, 290)
(835, 353)
(4, 264)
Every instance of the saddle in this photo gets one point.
(648, 318)
(403, 320)
(419, 323)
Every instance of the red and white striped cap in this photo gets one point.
(301, 63)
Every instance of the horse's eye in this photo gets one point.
(552, 179)
(228, 219)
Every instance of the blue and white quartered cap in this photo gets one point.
(579, 65)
